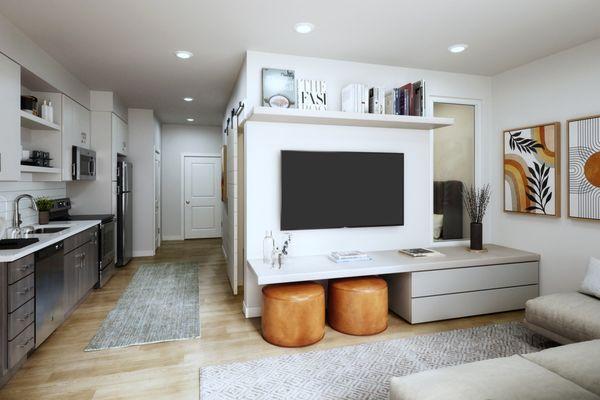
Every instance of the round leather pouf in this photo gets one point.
(293, 314)
(358, 306)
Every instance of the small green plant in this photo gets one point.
(44, 203)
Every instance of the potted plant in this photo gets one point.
(44, 205)
(476, 202)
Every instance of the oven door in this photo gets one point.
(84, 164)
(107, 243)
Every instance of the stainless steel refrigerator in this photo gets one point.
(124, 212)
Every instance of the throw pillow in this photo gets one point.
(591, 282)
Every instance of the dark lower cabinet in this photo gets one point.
(81, 268)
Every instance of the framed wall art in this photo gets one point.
(532, 170)
(583, 143)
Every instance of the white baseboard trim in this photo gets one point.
(143, 253)
(172, 237)
(252, 312)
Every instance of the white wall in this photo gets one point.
(142, 134)
(17, 46)
(10, 190)
(556, 88)
(177, 140)
(264, 141)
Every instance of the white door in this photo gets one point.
(202, 197)
(156, 201)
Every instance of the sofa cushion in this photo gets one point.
(591, 282)
(578, 362)
(511, 378)
(572, 315)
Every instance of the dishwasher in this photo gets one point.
(49, 284)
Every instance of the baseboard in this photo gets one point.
(172, 237)
(252, 312)
(143, 253)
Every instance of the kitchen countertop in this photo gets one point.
(47, 239)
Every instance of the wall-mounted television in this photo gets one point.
(322, 189)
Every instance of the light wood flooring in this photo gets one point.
(60, 369)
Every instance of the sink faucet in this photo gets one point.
(17, 215)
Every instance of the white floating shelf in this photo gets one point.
(33, 122)
(43, 170)
(296, 116)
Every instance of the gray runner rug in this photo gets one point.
(160, 304)
(362, 371)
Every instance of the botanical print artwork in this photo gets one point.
(531, 170)
(584, 168)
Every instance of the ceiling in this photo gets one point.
(127, 45)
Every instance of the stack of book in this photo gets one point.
(406, 100)
(348, 256)
(355, 98)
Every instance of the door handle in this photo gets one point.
(187, 202)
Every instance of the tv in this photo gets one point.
(322, 189)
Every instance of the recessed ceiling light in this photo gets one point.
(458, 48)
(190, 120)
(183, 54)
(188, 99)
(304, 27)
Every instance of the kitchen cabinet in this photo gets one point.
(76, 131)
(120, 132)
(3, 322)
(81, 267)
(10, 120)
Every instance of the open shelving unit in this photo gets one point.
(33, 122)
(340, 118)
(45, 170)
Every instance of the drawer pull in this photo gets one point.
(25, 268)
(26, 317)
(24, 292)
(26, 343)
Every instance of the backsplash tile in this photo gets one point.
(10, 190)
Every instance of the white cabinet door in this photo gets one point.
(120, 135)
(83, 125)
(69, 136)
(10, 121)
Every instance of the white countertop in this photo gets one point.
(47, 239)
(297, 269)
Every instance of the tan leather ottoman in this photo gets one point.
(293, 314)
(358, 306)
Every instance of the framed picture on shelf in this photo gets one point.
(278, 88)
(532, 170)
(583, 144)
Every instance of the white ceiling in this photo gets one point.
(127, 45)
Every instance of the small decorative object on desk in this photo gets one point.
(278, 256)
(279, 88)
(44, 205)
(476, 202)
(348, 256)
(268, 246)
(420, 252)
(312, 95)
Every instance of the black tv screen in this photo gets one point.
(341, 189)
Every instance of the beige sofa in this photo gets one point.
(568, 372)
(564, 317)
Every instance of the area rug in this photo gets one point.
(160, 304)
(362, 371)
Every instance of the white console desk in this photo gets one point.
(458, 284)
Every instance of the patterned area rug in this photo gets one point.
(362, 371)
(160, 304)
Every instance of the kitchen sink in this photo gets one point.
(11, 244)
(49, 230)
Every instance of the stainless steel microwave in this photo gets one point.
(84, 164)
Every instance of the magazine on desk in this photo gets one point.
(348, 256)
(421, 252)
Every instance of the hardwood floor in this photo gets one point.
(60, 369)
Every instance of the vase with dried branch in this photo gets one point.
(476, 201)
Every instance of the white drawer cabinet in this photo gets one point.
(459, 292)
(10, 123)
(120, 134)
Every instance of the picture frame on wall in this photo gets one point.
(278, 88)
(532, 170)
(583, 145)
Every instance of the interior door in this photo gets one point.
(202, 202)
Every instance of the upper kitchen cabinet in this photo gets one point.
(76, 131)
(120, 132)
(10, 124)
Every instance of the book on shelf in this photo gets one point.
(421, 252)
(348, 256)
(406, 100)
(355, 98)
(376, 100)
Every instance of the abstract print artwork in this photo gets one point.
(584, 168)
(532, 170)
